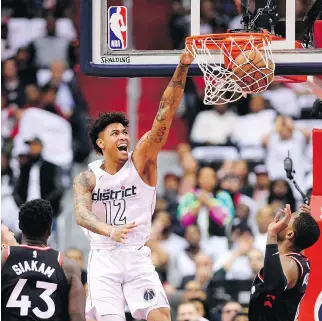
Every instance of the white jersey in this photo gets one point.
(120, 199)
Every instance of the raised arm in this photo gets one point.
(169, 104)
(280, 272)
(151, 143)
(83, 185)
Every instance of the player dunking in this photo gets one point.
(37, 282)
(279, 287)
(114, 202)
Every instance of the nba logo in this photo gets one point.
(117, 28)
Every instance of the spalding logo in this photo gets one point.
(318, 308)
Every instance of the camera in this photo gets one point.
(317, 109)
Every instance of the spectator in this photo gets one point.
(187, 311)
(211, 22)
(64, 96)
(234, 264)
(38, 178)
(204, 267)
(256, 261)
(163, 243)
(281, 194)
(178, 25)
(230, 310)
(74, 107)
(188, 162)
(77, 256)
(201, 307)
(241, 171)
(255, 125)
(265, 216)
(48, 101)
(20, 8)
(162, 232)
(203, 208)
(282, 99)
(7, 48)
(241, 214)
(12, 85)
(213, 127)
(261, 189)
(241, 317)
(183, 263)
(33, 96)
(9, 209)
(41, 50)
(7, 238)
(170, 195)
(26, 71)
(286, 138)
(193, 290)
(231, 184)
(8, 121)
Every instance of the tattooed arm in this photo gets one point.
(149, 146)
(83, 185)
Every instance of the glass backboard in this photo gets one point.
(144, 38)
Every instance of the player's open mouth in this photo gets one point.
(122, 147)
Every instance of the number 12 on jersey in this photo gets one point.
(115, 210)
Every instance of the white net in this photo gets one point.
(227, 79)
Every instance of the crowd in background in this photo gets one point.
(209, 227)
(43, 112)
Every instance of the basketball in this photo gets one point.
(251, 72)
(123, 28)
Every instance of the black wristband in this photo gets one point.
(272, 246)
(274, 278)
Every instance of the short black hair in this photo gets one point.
(97, 125)
(306, 231)
(35, 218)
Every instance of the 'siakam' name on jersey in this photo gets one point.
(26, 266)
(109, 194)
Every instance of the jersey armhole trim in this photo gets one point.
(39, 248)
(297, 262)
(7, 252)
(151, 188)
(60, 259)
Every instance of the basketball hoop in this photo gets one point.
(233, 64)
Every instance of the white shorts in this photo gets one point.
(123, 274)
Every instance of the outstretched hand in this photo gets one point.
(279, 225)
(119, 234)
(186, 58)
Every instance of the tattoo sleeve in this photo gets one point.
(167, 109)
(83, 205)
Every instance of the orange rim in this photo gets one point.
(227, 38)
(238, 37)
(234, 42)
